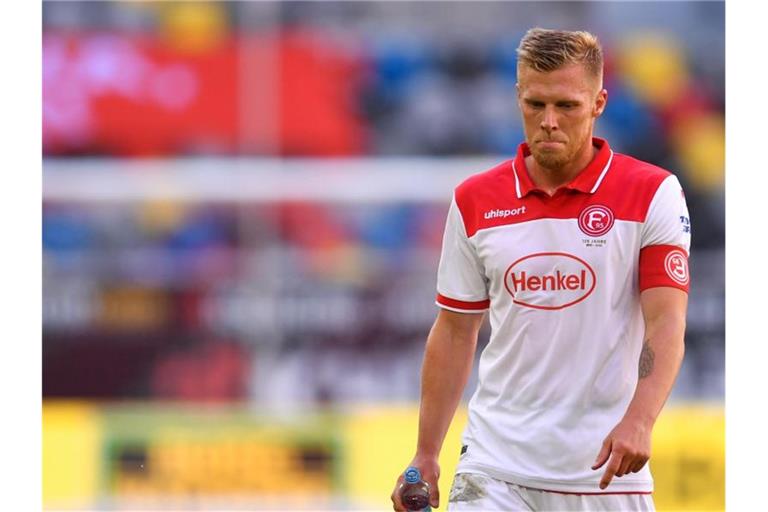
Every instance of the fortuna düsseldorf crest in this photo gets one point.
(596, 220)
(676, 265)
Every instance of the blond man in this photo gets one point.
(580, 257)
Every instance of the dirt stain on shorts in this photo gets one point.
(467, 487)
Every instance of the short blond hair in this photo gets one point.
(546, 50)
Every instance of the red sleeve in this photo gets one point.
(664, 265)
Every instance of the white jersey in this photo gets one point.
(561, 277)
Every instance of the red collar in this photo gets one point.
(587, 181)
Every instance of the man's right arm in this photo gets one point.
(448, 359)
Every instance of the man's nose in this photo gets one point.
(549, 119)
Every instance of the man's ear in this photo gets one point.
(600, 102)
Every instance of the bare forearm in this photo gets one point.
(627, 447)
(659, 363)
(446, 369)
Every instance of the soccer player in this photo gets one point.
(580, 256)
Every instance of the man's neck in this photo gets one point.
(550, 180)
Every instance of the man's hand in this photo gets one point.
(430, 473)
(626, 449)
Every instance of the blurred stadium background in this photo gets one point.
(243, 206)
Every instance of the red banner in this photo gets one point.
(127, 95)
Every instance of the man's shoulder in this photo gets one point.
(484, 190)
(485, 181)
(631, 186)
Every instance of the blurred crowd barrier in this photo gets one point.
(163, 456)
(230, 280)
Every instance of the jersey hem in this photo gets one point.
(543, 484)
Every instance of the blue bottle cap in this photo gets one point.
(412, 475)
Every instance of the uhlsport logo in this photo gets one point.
(676, 265)
(596, 220)
(503, 214)
(549, 280)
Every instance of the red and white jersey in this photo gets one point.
(561, 277)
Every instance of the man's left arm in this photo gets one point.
(627, 447)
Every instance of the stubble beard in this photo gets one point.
(556, 161)
(553, 160)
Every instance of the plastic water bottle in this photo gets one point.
(415, 491)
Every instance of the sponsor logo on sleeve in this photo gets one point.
(676, 265)
(596, 220)
(549, 280)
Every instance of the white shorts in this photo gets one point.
(472, 492)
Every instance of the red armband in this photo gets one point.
(664, 265)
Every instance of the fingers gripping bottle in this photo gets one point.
(415, 491)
